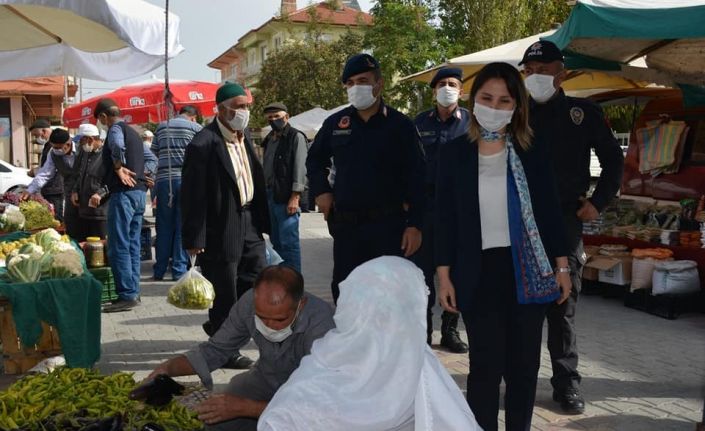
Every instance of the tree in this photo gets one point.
(305, 73)
(473, 25)
(404, 41)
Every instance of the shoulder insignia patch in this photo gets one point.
(577, 115)
(344, 122)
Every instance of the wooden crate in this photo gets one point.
(17, 359)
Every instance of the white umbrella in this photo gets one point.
(309, 121)
(106, 40)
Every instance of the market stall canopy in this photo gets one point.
(577, 82)
(106, 40)
(669, 35)
(309, 121)
(144, 102)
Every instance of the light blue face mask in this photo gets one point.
(274, 335)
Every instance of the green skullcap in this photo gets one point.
(228, 91)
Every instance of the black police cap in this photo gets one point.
(359, 63)
(542, 51)
(447, 72)
(40, 123)
(275, 107)
(59, 136)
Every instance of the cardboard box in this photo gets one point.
(589, 273)
(612, 269)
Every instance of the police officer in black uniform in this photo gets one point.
(437, 126)
(366, 171)
(573, 127)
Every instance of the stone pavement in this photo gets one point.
(640, 372)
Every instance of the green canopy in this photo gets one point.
(669, 35)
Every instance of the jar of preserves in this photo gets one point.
(95, 252)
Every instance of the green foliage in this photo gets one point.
(622, 117)
(305, 74)
(404, 41)
(473, 25)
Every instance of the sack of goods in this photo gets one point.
(675, 277)
(192, 291)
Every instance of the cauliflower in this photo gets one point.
(47, 237)
(31, 249)
(24, 268)
(64, 263)
(12, 219)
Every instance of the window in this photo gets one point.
(277, 42)
(263, 53)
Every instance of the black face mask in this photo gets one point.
(277, 124)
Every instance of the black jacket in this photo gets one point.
(284, 159)
(457, 218)
(89, 181)
(134, 160)
(210, 200)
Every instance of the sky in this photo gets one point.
(208, 28)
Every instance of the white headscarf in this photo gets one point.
(374, 371)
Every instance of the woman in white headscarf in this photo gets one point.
(374, 371)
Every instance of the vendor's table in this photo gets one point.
(679, 253)
(71, 306)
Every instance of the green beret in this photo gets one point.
(228, 91)
(359, 63)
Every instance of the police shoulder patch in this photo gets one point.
(577, 115)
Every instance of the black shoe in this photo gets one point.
(429, 327)
(240, 362)
(571, 401)
(450, 338)
(121, 305)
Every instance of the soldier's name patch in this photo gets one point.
(342, 132)
(577, 115)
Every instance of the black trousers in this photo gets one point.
(356, 243)
(91, 227)
(562, 340)
(232, 279)
(58, 202)
(71, 220)
(505, 343)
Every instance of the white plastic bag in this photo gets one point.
(192, 291)
(675, 277)
(271, 255)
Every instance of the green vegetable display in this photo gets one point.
(65, 398)
(37, 216)
(24, 268)
(192, 292)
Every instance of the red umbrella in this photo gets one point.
(144, 102)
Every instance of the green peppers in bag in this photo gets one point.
(192, 291)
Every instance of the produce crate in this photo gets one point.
(18, 359)
(105, 276)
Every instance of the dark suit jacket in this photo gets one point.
(458, 232)
(210, 199)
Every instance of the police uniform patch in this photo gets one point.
(577, 115)
(344, 122)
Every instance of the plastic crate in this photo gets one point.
(105, 276)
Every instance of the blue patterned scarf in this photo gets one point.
(535, 280)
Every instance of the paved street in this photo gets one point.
(640, 372)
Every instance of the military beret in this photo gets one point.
(359, 63)
(447, 72)
(275, 107)
(59, 136)
(228, 91)
(103, 106)
(542, 51)
(40, 123)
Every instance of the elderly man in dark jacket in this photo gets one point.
(224, 206)
(90, 194)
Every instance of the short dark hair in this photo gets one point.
(290, 279)
(108, 107)
(189, 110)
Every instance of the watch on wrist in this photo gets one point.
(563, 269)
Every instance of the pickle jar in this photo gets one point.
(95, 252)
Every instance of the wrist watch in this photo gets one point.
(563, 269)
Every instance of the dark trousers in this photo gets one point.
(232, 279)
(58, 202)
(562, 342)
(356, 243)
(505, 342)
(71, 220)
(92, 227)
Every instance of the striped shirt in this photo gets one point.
(181, 131)
(241, 163)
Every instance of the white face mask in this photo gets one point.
(361, 96)
(41, 141)
(447, 96)
(240, 120)
(273, 335)
(490, 119)
(101, 126)
(87, 148)
(540, 87)
(58, 151)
